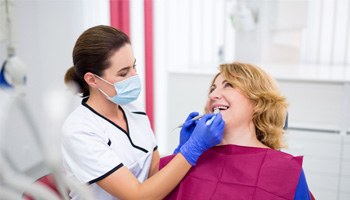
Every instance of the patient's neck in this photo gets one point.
(243, 136)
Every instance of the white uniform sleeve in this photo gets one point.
(154, 140)
(88, 155)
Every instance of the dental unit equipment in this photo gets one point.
(12, 92)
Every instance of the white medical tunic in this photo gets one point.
(93, 147)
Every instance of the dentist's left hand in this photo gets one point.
(203, 137)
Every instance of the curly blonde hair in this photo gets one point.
(270, 107)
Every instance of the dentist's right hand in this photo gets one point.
(187, 130)
(203, 137)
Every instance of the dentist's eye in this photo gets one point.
(123, 74)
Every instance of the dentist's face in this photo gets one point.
(235, 108)
(122, 66)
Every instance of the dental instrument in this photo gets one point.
(216, 111)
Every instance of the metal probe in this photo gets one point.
(216, 111)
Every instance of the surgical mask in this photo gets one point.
(128, 90)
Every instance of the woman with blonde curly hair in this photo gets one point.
(248, 163)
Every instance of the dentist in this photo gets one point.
(107, 141)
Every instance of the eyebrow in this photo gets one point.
(127, 67)
(223, 82)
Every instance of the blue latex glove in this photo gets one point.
(187, 130)
(203, 137)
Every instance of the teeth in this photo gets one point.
(220, 108)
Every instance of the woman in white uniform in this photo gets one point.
(107, 141)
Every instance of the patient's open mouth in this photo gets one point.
(220, 108)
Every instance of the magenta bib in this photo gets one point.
(238, 172)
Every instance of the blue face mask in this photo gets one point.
(128, 90)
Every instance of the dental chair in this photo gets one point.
(49, 182)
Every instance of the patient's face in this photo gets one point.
(236, 108)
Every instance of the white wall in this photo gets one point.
(191, 35)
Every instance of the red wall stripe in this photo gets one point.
(120, 15)
(148, 12)
(120, 18)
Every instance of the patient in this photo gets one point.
(248, 163)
